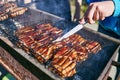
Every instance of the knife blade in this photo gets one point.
(69, 33)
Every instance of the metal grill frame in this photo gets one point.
(33, 17)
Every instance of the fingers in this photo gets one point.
(89, 15)
(102, 17)
(98, 11)
(82, 21)
(92, 14)
(96, 16)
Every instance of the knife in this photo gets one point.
(69, 33)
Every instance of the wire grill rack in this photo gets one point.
(87, 70)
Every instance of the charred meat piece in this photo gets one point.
(27, 41)
(47, 29)
(3, 16)
(43, 26)
(64, 61)
(64, 67)
(10, 9)
(61, 51)
(17, 11)
(82, 53)
(8, 6)
(46, 52)
(24, 30)
(76, 39)
(69, 68)
(63, 55)
(92, 46)
(39, 58)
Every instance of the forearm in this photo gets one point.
(117, 8)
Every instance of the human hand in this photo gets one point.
(98, 11)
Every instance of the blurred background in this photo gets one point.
(83, 10)
(83, 7)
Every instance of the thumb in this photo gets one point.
(82, 20)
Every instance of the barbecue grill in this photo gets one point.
(90, 69)
(12, 66)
